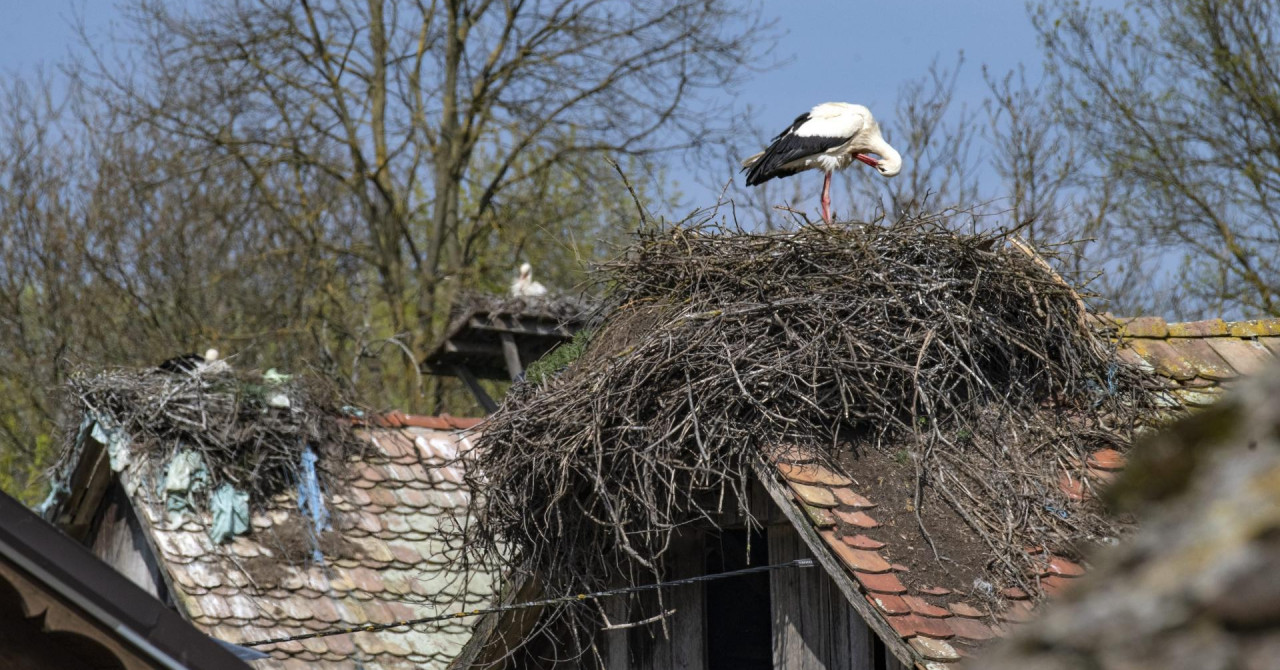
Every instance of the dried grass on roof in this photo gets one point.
(967, 352)
(224, 414)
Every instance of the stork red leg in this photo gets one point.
(826, 198)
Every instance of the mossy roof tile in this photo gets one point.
(1201, 356)
(1206, 328)
(1246, 356)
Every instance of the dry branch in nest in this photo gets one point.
(249, 430)
(716, 344)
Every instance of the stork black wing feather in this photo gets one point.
(785, 148)
(795, 125)
(184, 363)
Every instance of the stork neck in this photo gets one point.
(890, 159)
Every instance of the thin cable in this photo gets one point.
(374, 627)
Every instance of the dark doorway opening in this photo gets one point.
(739, 625)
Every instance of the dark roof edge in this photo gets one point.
(845, 584)
(68, 569)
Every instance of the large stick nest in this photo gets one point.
(966, 351)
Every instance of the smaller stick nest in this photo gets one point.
(249, 430)
(716, 345)
(562, 308)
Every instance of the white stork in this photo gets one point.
(191, 363)
(829, 137)
(524, 286)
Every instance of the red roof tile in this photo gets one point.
(971, 629)
(862, 542)
(858, 559)
(1018, 611)
(925, 608)
(848, 498)
(881, 582)
(889, 604)
(857, 519)
(820, 517)
(965, 610)
(911, 625)
(1014, 593)
(812, 473)
(1054, 585)
(1246, 356)
(1106, 459)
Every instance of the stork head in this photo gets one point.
(210, 355)
(526, 271)
(890, 162)
(888, 166)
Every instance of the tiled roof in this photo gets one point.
(396, 515)
(943, 623)
(1196, 586)
(1196, 357)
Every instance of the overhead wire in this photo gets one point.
(578, 597)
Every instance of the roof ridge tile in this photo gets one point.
(1254, 327)
(1203, 328)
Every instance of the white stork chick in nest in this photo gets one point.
(829, 137)
(524, 286)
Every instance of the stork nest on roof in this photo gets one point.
(250, 429)
(715, 345)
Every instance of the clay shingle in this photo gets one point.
(393, 512)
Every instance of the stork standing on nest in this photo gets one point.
(524, 286)
(829, 137)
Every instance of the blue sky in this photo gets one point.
(862, 51)
(851, 50)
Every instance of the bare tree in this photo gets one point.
(1178, 102)
(427, 122)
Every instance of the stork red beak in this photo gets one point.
(867, 159)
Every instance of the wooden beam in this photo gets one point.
(496, 635)
(850, 589)
(512, 353)
(517, 325)
(473, 348)
(464, 373)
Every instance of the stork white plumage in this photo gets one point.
(829, 137)
(524, 286)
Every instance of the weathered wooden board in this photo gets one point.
(847, 588)
(814, 628)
